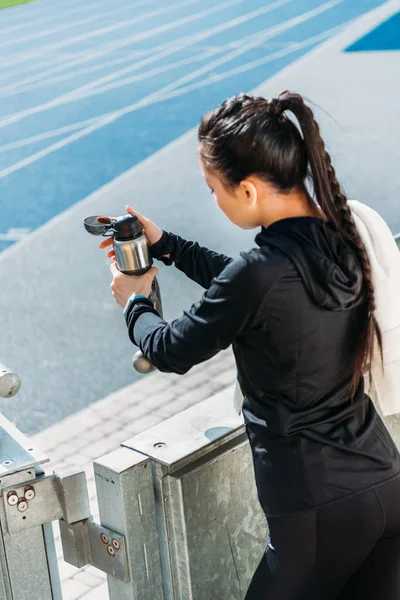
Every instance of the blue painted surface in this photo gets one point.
(78, 46)
(384, 37)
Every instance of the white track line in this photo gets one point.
(191, 60)
(42, 81)
(12, 59)
(48, 18)
(66, 14)
(62, 62)
(116, 45)
(69, 25)
(290, 49)
(253, 41)
(190, 40)
(168, 91)
(109, 48)
(49, 134)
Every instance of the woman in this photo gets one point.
(299, 312)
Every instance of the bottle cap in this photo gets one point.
(127, 228)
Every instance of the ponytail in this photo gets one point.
(333, 203)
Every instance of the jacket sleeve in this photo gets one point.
(225, 311)
(198, 263)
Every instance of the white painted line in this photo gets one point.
(172, 50)
(50, 149)
(69, 25)
(24, 68)
(176, 43)
(109, 47)
(49, 134)
(67, 14)
(251, 42)
(49, 17)
(290, 49)
(12, 59)
(153, 72)
(162, 94)
(85, 92)
(39, 80)
(172, 47)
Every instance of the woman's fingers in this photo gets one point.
(141, 218)
(111, 254)
(107, 242)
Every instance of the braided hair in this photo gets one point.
(250, 135)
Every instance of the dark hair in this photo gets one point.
(250, 135)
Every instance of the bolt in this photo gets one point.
(110, 550)
(29, 493)
(12, 498)
(22, 505)
(160, 445)
(115, 543)
(104, 538)
(7, 462)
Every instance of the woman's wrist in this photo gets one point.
(134, 298)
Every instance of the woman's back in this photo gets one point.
(295, 368)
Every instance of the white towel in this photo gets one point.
(384, 256)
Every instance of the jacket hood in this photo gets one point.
(329, 269)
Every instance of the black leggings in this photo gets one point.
(349, 550)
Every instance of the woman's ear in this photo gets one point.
(248, 192)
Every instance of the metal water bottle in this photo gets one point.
(132, 256)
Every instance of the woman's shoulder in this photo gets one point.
(255, 268)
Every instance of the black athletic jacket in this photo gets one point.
(292, 308)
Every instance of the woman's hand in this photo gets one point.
(124, 286)
(151, 231)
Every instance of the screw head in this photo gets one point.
(7, 462)
(29, 493)
(111, 550)
(116, 544)
(22, 505)
(104, 538)
(160, 445)
(12, 498)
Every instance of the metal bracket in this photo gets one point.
(64, 496)
(90, 543)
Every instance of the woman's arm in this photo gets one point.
(226, 310)
(198, 263)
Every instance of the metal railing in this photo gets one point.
(178, 506)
